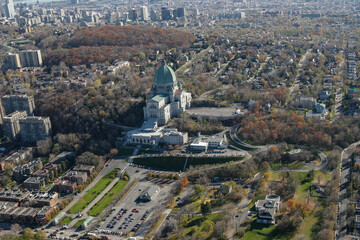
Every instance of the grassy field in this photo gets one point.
(293, 165)
(78, 223)
(301, 194)
(307, 225)
(108, 198)
(44, 160)
(177, 163)
(265, 232)
(93, 192)
(199, 226)
(66, 221)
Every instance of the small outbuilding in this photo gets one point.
(149, 193)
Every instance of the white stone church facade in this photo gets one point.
(166, 98)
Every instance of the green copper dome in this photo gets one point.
(164, 74)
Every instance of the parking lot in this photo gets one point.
(129, 214)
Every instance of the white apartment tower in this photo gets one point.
(11, 124)
(33, 129)
(144, 13)
(12, 60)
(9, 9)
(31, 58)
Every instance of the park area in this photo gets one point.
(178, 163)
(308, 221)
(92, 193)
(108, 198)
(199, 226)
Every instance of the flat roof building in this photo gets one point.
(89, 169)
(12, 61)
(12, 125)
(33, 129)
(20, 103)
(34, 183)
(75, 176)
(31, 58)
(86, 223)
(13, 195)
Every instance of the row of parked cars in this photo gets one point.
(112, 232)
(117, 218)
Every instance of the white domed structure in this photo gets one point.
(166, 98)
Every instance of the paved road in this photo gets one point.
(233, 135)
(223, 67)
(300, 66)
(196, 58)
(261, 68)
(166, 212)
(244, 205)
(205, 94)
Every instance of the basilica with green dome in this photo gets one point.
(166, 98)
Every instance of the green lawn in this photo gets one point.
(177, 163)
(307, 225)
(261, 231)
(293, 165)
(78, 223)
(66, 221)
(108, 198)
(44, 160)
(93, 192)
(198, 225)
(302, 192)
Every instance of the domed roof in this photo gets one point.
(164, 74)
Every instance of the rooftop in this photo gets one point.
(158, 98)
(83, 167)
(34, 180)
(164, 74)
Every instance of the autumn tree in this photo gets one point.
(40, 235)
(28, 234)
(43, 147)
(183, 183)
(87, 158)
(114, 152)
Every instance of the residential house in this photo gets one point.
(65, 186)
(75, 176)
(267, 208)
(34, 183)
(89, 169)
